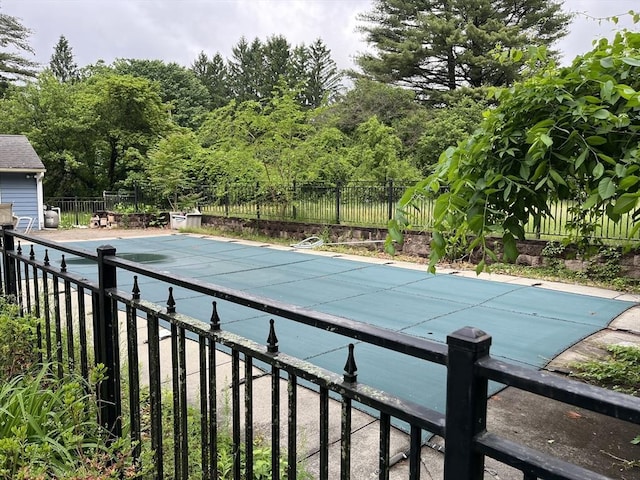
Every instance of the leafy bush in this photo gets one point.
(19, 336)
(48, 429)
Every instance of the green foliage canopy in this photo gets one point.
(564, 134)
(435, 45)
(14, 43)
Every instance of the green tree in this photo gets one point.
(214, 75)
(179, 87)
(245, 70)
(126, 116)
(14, 44)
(375, 154)
(564, 134)
(47, 112)
(447, 126)
(435, 45)
(368, 98)
(176, 171)
(323, 80)
(91, 134)
(61, 63)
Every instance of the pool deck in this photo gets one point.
(591, 440)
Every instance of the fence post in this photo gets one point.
(258, 200)
(8, 245)
(107, 347)
(226, 199)
(337, 203)
(390, 199)
(466, 412)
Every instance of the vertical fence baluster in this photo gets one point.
(47, 316)
(213, 411)
(204, 410)
(235, 412)
(82, 331)
(292, 427)
(248, 413)
(385, 436)
(134, 382)
(155, 394)
(18, 270)
(182, 376)
(57, 323)
(177, 423)
(414, 452)
(27, 287)
(272, 347)
(324, 433)
(71, 358)
(350, 376)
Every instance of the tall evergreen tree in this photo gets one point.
(435, 45)
(276, 54)
(324, 79)
(246, 70)
(14, 44)
(214, 75)
(62, 64)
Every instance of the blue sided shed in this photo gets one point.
(21, 174)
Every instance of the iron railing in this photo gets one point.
(364, 204)
(90, 320)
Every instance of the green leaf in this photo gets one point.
(606, 62)
(442, 205)
(606, 90)
(626, 203)
(601, 114)
(598, 171)
(596, 140)
(606, 188)
(546, 139)
(581, 158)
(510, 248)
(557, 177)
(437, 240)
(591, 201)
(480, 267)
(634, 62)
(628, 182)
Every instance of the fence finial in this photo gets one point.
(135, 291)
(19, 248)
(350, 368)
(63, 265)
(32, 253)
(171, 303)
(272, 340)
(215, 318)
(46, 257)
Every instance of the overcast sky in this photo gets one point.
(177, 30)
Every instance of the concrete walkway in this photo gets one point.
(588, 439)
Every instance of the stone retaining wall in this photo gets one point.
(415, 244)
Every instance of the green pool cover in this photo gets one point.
(529, 325)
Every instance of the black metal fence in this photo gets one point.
(90, 320)
(356, 203)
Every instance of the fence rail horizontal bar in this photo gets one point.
(566, 390)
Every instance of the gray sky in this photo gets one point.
(177, 30)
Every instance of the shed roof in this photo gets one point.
(16, 153)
